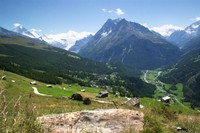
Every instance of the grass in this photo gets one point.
(166, 89)
(23, 106)
(56, 104)
(167, 86)
(152, 75)
(163, 118)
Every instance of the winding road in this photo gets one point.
(160, 86)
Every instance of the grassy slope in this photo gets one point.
(30, 58)
(158, 116)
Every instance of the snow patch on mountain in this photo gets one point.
(20, 29)
(180, 38)
(195, 26)
(62, 40)
(104, 34)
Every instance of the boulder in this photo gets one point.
(98, 121)
(77, 97)
(86, 101)
(134, 102)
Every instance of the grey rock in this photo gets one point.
(98, 121)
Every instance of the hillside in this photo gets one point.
(24, 106)
(27, 57)
(187, 71)
(130, 44)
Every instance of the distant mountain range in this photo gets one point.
(130, 44)
(182, 37)
(80, 43)
(29, 57)
(63, 40)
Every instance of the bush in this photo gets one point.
(86, 101)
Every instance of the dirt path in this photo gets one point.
(38, 93)
(99, 101)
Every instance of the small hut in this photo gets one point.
(102, 94)
(83, 90)
(49, 86)
(166, 99)
(33, 83)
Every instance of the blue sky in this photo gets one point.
(57, 16)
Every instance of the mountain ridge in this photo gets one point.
(182, 37)
(118, 43)
(62, 40)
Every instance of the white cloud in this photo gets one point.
(104, 10)
(17, 24)
(69, 38)
(197, 18)
(166, 30)
(117, 11)
(36, 30)
(110, 11)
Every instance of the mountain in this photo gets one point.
(21, 30)
(130, 44)
(48, 64)
(187, 71)
(182, 37)
(34, 35)
(80, 43)
(5, 32)
(62, 40)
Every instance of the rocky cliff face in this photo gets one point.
(98, 121)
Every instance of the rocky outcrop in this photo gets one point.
(133, 102)
(98, 121)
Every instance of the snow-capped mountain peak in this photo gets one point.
(180, 38)
(20, 29)
(62, 40)
(117, 20)
(193, 28)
